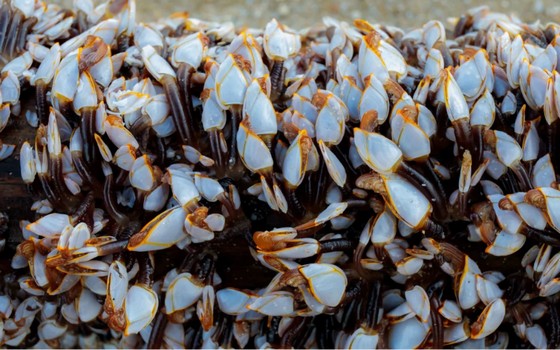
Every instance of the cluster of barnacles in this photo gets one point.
(401, 184)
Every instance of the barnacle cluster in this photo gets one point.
(391, 188)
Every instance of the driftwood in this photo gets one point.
(15, 196)
(236, 265)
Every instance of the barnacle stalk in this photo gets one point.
(166, 76)
(184, 73)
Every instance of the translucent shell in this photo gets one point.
(162, 232)
(253, 151)
(407, 202)
(319, 276)
(378, 152)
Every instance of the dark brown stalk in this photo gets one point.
(184, 74)
(87, 130)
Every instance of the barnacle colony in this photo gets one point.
(382, 182)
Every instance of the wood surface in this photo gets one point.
(235, 266)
